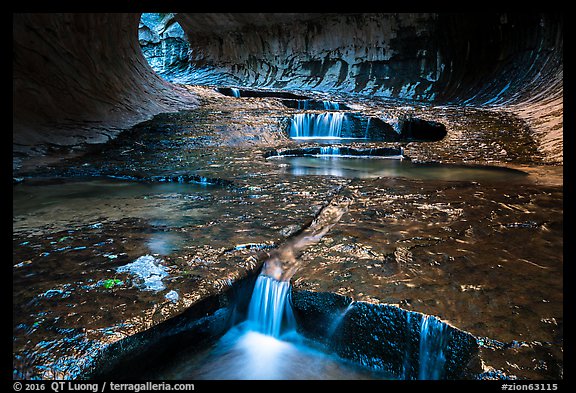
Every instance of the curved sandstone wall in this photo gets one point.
(509, 61)
(82, 77)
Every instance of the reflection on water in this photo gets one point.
(165, 243)
(60, 204)
(491, 264)
(243, 353)
(328, 139)
(379, 167)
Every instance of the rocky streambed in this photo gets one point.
(156, 237)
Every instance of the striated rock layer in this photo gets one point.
(507, 61)
(81, 78)
(494, 80)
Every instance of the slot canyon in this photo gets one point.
(287, 196)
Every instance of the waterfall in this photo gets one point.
(309, 125)
(406, 362)
(303, 104)
(269, 311)
(329, 151)
(433, 338)
(331, 106)
(338, 320)
(235, 92)
(367, 127)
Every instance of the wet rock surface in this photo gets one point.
(484, 260)
(383, 337)
(81, 78)
(509, 61)
(193, 193)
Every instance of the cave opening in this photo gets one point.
(165, 46)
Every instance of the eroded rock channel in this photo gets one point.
(443, 259)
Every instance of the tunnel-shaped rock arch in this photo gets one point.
(430, 186)
(509, 61)
(81, 78)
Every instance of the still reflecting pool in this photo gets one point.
(381, 167)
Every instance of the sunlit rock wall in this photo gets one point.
(165, 47)
(365, 54)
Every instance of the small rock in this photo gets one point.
(172, 296)
(149, 270)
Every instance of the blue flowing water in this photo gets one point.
(329, 151)
(338, 320)
(235, 92)
(329, 105)
(367, 128)
(310, 125)
(266, 346)
(406, 362)
(303, 104)
(269, 311)
(433, 340)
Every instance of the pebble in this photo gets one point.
(172, 296)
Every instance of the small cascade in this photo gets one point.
(303, 104)
(204, 181)
(269, 311)
(312, 104)
(338, 320)
(331, 106)
(235, 92)
(309, 125)
(329, 151)
(367, 127)
(406, 362)
(396, 125)
(433, 339)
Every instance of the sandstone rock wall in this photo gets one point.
(165, 47)
(81, 78)
(511, 62)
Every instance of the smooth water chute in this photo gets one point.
(433, 337)
(235, 92)
(338, 320)
(269, 311)
(406, 362)
(307, 125)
